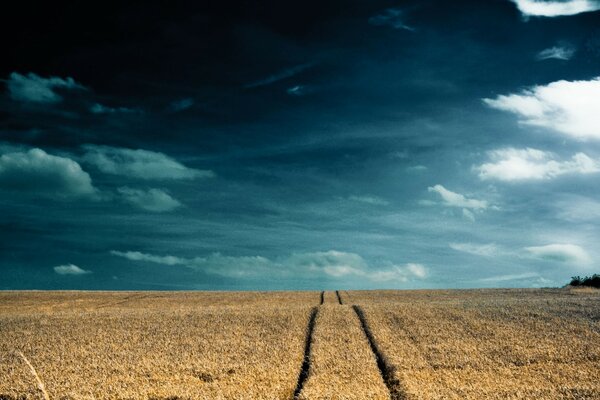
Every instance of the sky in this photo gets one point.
(299, 145)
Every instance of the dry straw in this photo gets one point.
(37, 377)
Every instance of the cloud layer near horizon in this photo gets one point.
(333, 264)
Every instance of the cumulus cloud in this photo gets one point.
(485, 250)
(38, 172)
(566, 253)
(154, 200)
(373, 200)
(454, 199)
(555, 8)
(70, 269)
(332, 264)
(35, 89)
(568, 107)
(512, 164)
(392, 17)
(142, 164)
(557, 53)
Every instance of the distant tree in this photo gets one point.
(575, 281)
(589, 281)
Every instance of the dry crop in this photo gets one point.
(492, 344)
(342, 364)
(468, 344)
(152, 345)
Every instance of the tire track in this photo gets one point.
(337, 293)
(305, 369)
(385, 367)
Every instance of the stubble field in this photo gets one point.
(468, 344)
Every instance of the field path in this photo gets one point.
(342, 364)
(329, 298)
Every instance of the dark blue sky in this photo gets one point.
(299, 145)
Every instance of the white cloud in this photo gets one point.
(38, 172)
(557, 53)
(555, 8)
(98, 108)
(142, 164)
(137, 256)
(485, 250)
(35, 89)
(392, 17)
(568, 107)
(70, 269)
(154, 200)
(512, 164)
(454, 199)
(418, 270)
(567, 253)
(373, 200)
(332, 264)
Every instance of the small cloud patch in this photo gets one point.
(182, 104)
(565, 253)
(373, 200)
(564, 53)
(154, 200)
(392, 17)
(33, 88)
(70, 269)
(512, 164)
(138, 163)
(454, 199)
(38, 172)
(98, 108)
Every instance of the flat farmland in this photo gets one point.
(153, 345)
(462, 344)
(489, 344)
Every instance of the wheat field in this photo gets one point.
(463, 344)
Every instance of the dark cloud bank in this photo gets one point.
(299, 145)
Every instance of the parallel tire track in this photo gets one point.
(305, 369)
(385, 367)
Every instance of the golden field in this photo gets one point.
(153, 345)
(454, 344)
(490, 344)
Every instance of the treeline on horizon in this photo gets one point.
(589, 281)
